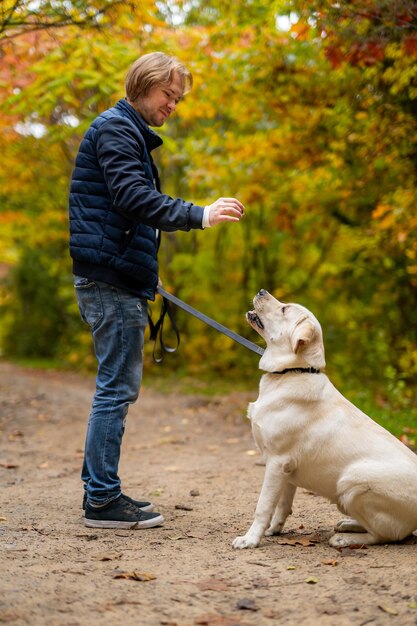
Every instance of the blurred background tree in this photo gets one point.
(304, 111)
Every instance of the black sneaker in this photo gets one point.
(142, 505)
(120, 513)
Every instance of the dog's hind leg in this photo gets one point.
(344, 540)
(384, 517)
(282, 511)
(273, 486)
(349, 525)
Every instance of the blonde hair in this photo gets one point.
(155, 68)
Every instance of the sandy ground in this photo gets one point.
(195, 459)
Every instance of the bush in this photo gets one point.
(37, 311)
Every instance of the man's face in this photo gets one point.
(160, 101)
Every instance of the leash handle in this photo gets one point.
(157, 332)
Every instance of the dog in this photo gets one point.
(312, 437)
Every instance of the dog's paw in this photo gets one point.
(273, 530)
(245, 542)
(344, 540)
(349, 525)
(338, 541)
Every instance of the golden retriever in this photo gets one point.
(313, 437)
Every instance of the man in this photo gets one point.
(116, 214)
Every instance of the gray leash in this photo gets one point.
(204, 318)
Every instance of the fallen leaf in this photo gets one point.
(291, 567)
(330, 562)
(3, 519)
(170, 440)
(15, 434)
(44, 465)
(355, 580)
(140, 576)
(251, 452)
(197, 535)
(311, 580)
(270, 613)
(387, 609)
(175, 537)
(413, 605)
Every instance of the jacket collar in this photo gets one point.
(152, 140)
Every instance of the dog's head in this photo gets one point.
(292, 334)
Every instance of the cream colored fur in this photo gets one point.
(312, 437)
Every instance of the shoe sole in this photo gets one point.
(99, 523)
(146, 509)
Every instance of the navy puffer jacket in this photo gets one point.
(116, 205)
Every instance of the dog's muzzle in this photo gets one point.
(254, 319)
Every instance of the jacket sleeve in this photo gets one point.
(120, 155)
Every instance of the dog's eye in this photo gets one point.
(284, 308)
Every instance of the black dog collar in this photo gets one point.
(301, 370)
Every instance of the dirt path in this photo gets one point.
(195, 459)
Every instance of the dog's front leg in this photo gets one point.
(283, 510)
(273, 485)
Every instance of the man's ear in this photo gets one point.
(302, 336)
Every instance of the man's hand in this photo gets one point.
(224, 210)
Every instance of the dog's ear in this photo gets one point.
(302, 336)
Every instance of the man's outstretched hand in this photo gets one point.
(224, 210)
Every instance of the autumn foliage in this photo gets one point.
(306, 112)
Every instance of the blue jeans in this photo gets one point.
(117, 321)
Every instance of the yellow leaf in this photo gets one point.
(175, 538)
(387, 609)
